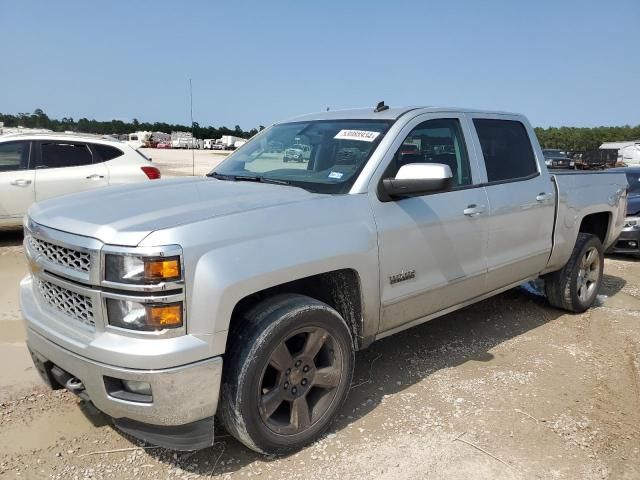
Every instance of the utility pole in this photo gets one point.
(193, 153)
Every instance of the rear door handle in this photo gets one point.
(21, 182)
(94, 176)
(543, 197)
(474, 210)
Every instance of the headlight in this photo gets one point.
(548, 162)
(146, 317)
(141, 270)
(631, 222)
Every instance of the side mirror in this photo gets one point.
(415, 179)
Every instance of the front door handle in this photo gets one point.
(21, 182)
(94, 176)
(544, 196)
(474, 210)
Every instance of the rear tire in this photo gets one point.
(286, 373)
(576, 285)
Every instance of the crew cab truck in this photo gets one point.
(242, 296)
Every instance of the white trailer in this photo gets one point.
(139, 139)
(628, 152)
(229, 141)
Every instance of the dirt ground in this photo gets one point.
(508, 388)
(174, 163)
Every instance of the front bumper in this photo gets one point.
(184, 399)
(628, 242)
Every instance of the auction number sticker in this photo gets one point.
(362, 135)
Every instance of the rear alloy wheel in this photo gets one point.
(576, 285)
(588, 275)
(286, 373)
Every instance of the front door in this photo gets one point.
(432, 248)
(16, 181)
(64, 167)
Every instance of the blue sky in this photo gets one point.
(560, 62)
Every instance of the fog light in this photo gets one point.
(134, 386)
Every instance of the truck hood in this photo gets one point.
(125, 215)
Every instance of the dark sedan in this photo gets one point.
(629, 240)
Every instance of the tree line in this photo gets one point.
(564, 138)
(584, 139)
(39, 119)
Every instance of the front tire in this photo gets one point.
(576, 285)
(286, 373)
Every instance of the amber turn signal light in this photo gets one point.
(166, 269)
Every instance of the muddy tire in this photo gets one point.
(576, 285)
(286, 373)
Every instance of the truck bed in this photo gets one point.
(578, 194)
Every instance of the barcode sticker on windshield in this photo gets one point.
(362, 135)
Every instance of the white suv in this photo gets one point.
(34, 167)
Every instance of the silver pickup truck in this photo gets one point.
(243, 295)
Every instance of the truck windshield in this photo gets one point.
(323, 156)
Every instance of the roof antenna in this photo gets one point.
(381, 107)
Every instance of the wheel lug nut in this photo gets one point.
(286, 385)
(305, 369)
(288, 371)
(303, 382)
(294, 390)
(298, 363)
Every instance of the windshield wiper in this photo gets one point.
(248, 178)
(220, 176)
(261, 179)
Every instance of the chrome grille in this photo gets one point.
(77, 306)
(63, 256)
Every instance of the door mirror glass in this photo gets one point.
(415, 179)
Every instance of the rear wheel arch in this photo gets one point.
(596, 224)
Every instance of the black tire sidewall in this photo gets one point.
(250, 365)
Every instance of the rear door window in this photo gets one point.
(64, 154)
(506, 149)
(14, 156)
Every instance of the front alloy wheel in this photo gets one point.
(286, 372)
(299, 381)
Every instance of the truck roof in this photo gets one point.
(392, 113)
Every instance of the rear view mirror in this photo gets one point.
(415, 179)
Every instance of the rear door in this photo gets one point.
(67, 166)
(521, 199)
(16, 180)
